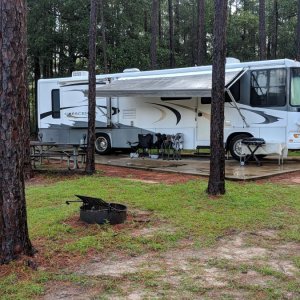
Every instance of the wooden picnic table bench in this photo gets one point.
(41, 150)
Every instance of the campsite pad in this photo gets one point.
(201, 166)
(152, 163)
(145, 163)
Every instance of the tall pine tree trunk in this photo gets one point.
(160, 33)
(274, 30)
(262, 30)
(103, 36)
(14, 238)
(201, 40)
(154, 34)
(90, 158)
(171, 34)
(216, 183)
(177, 26)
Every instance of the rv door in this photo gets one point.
(203, 121)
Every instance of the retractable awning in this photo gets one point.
(194, 84)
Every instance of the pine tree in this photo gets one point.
(14, 143)
(154, 34)
(262, 30)
(216, 183)
(90, 158)
(201, 40)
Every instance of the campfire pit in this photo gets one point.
(97, 211)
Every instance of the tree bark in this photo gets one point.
(262, 30)
(103, 36)
(160, 31)
(201, 40)
(274, 30)
(298, 33)
(171, 34)
(154, 34)
(177, 26)
(216, 183)
(90, 158)
(14, 237)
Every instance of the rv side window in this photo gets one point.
(268, 88)
(295, 87)
(55, 104)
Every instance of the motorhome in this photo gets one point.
(262, 99)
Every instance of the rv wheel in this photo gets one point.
(235, 145)
(102, 144)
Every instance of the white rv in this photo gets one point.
(262, 100)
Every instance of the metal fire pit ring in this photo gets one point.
(114, 214)
(97, 211)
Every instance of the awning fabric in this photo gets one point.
(197, 84)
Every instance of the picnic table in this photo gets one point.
(41, 150)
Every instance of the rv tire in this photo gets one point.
(234, 145)
(102, 143)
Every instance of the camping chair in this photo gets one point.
(158, 143)
(177, 145)
(144, 144)
(166, 146)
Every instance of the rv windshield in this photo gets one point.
(268, 88)
(295, 87)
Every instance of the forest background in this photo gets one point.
(126, 31)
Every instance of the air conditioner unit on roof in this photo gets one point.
(80, 73)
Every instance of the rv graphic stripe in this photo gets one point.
(115, 110)
(49, 113)
(269, 119)
(173, 110)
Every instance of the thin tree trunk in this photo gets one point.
(160, 33)
(14, 237)
(216, 184)
(201, 41)
(145, 21)
(298, 33)
(177, 26)
(171, 34)
(90, 158)
(37, 76)
(262, 30)
(103, 36)
(154, 34)
(274, 30)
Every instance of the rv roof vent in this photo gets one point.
(131, 70)
(80, 73)
(232, 60)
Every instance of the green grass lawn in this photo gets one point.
(185, 208)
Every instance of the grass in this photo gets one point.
(185, 208)
(244, 207)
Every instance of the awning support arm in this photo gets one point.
(227, 89)
(237, 107)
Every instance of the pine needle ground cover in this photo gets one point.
(177, 242)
